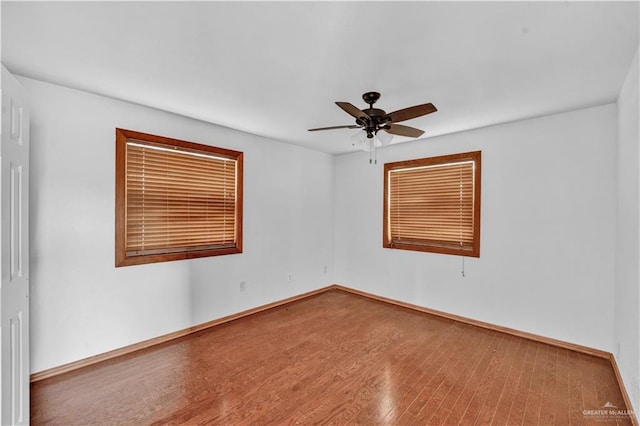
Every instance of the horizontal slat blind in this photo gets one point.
(432, 205)
(178, 200)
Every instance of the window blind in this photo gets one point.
(178, 199)
(432, 205)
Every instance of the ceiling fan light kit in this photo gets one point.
(378, 126)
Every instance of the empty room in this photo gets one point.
(369, 212)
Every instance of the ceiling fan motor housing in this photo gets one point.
(377, 120)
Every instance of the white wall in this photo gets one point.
(627, 274)
(547, 229)
(82, 305)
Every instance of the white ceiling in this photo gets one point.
(276, 68)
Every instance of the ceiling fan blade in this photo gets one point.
(400, 130)
(353, 126)
(353, 111)
(411, 112)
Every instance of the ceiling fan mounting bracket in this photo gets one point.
(370, 98)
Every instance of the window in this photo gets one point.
(175, 199)
(433, 204)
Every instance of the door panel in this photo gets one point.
(16, 183)
(14, 266)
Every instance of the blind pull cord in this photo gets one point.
(462, 270)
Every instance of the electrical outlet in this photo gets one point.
(243, 286)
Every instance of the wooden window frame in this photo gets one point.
(121, 257)
(435, 246)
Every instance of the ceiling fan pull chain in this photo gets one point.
(372, 148)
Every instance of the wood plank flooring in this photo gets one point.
(337, 358)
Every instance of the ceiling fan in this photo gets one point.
(372, 120)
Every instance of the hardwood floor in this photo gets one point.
(337, 358)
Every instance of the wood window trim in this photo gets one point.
(435, 247)
(121, 257)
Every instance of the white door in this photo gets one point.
(14, 268)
